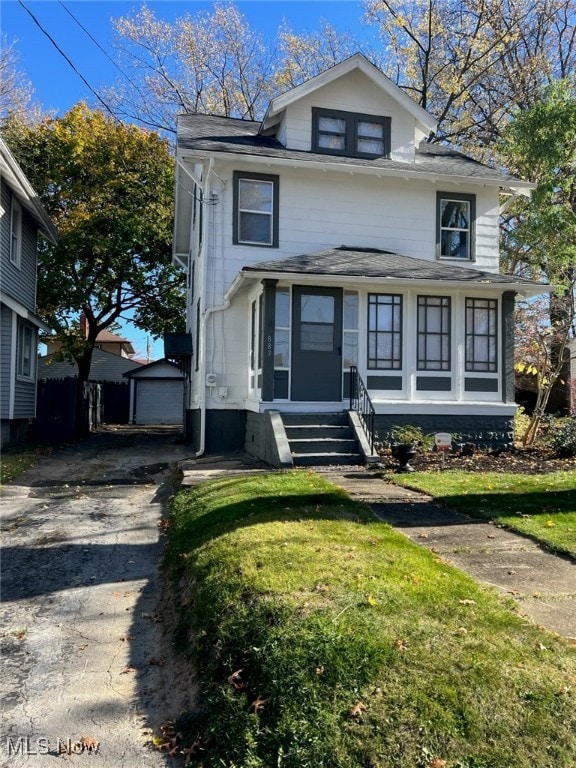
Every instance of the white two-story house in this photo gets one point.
(331, 248)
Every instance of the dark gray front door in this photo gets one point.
(317, 344)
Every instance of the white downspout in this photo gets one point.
(207, 313)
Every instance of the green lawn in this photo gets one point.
(323, 638)
(16, 460)
(540, 506)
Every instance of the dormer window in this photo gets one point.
(351, 134)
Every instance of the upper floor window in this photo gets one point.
(255, 209)
(16, 233)
(433, 333)
(347, 133)
(455, 225)
(481, 335)
(384, 331)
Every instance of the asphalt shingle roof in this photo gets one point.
(211, 133)
(351, 262)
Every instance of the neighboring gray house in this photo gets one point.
(22, 220)
(286, 320)
(106, 366)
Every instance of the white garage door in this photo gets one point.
(159, 402)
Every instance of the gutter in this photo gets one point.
(245, 276)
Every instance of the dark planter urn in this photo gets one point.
(404, 453)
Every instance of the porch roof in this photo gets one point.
(378, 266)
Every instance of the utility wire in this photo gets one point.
(97, 44)
(61, 52)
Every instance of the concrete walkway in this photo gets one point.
(543, 584)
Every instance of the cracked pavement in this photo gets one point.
(85, 659)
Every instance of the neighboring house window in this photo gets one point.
(455, 225)
(433, 333)
(24, 363)
(350, 334)
(347, 133)
(384, 331)
(256, 209)
(16, 233)
(481, 335)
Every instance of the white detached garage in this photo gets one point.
(156, 393)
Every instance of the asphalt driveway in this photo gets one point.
(86, 663)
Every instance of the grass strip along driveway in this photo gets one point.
(540, 506)
(324, 638)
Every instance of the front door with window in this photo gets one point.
(317, 344)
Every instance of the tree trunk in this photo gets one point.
(81, 420)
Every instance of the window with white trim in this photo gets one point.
(481, 335)
(16, 233)
(433, 333)
(455, 226)
(336, 132)
(25, 351)
(256, 215)
(385, 331)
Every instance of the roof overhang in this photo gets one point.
(16, 179)
(249, 277)
(329, 165)
(24, 313)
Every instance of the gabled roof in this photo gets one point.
(356, 62)
(105, 366)
(379, 266)
(14, 176)
(158, 365)
(206, 135)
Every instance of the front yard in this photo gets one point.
(542, 506)
(325, 639)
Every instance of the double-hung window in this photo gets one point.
(384, 331)
(15, 233)
(481, 335)
(346, 133)
(433, 333)
(25, 356)
(255, 217)
(455, 216)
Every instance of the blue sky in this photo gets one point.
(57, 86)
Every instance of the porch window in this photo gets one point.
(256, 311)
(282, 329)
(384, 331)
(481, 335)
(433, 333)
(350, 337)
(24, 366)
(16, 233)
(336, 132)
(255, 209)
(455, 226)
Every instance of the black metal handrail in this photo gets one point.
(361, 403)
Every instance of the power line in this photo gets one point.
(97, 44)
(67, 59)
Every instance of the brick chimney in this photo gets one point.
(84, 324)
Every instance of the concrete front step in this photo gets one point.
(323, 445)
(326, 459)
(326, 431)
(321, 439)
